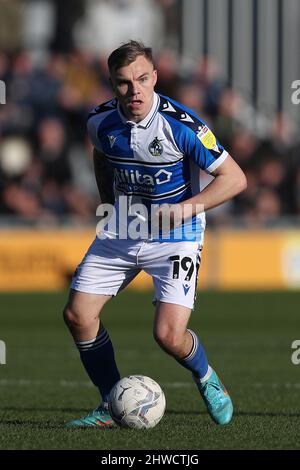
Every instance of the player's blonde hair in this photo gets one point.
(127, 53)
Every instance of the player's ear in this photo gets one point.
(154, 77)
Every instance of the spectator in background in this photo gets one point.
(267, 208)
(18, 198)
(167, 64)
(208, 79)
(272, 174)
(53, 151)
(192, 96)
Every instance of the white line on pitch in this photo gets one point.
(72, 383)
(77, 383)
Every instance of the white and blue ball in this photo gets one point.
(137, 402)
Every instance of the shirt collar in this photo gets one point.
(147, 121)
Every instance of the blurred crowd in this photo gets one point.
(46, 173)
(46, 169)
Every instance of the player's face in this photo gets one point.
(133, 85)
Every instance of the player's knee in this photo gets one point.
(70, 316)
(74, 319)
(170, 341)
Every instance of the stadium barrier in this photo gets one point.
(44, 260)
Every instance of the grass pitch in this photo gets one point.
(248, 339)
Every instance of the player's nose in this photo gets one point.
(135, 89)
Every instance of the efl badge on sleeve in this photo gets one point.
(208, 139)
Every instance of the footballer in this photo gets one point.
(148, 151)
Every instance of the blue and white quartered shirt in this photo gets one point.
(157, 160)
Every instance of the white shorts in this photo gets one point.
(111, 264)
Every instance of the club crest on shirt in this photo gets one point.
(155, 147)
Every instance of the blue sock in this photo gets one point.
(97, 356)
(196, 360)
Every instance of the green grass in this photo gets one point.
(248, 339)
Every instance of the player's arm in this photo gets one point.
(229, 181)
(104, 177)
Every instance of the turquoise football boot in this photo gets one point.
(99, 417)
(216, 399)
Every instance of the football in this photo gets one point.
(137, 402)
